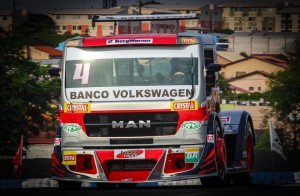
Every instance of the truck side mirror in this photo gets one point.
(213, 67)
(53, 71)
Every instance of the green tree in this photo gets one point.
(224, 88)
(285, 102)
(39, 29)
(263, 142)
(27, 92)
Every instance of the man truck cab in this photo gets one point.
(122, 120)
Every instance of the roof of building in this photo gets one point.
(87, 11)
(43, 137)
(159, 10)
(289, 10)
(239, 3)
(271, 59)
(5, 12)
(232, 87)
(48, 49)
(176, 7)
(263, 73)
(231, 56)
(265, 58)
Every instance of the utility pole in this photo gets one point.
(140, 13)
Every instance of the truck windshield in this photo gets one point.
(137, 68)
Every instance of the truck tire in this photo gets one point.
(221, 160)
(245, 178)
(69, 185)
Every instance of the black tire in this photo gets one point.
(69, 185)
(245, 178)
(217, 180)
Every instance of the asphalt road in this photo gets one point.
(253, 190)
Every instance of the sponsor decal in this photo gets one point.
(225, 119)
(188, 40)
(77, 107)
(191, 125)
(184, 105)
(69, 158)
(210, 138)
(57, 141)
(125, 93)
(191, 155)
(73, 43)
(127, 179)
(129, 154)
(71, 127)
(129, 41)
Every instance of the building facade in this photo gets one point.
(271, 16)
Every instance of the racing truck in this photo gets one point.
(129, 115)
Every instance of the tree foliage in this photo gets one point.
(27, 92)
(284, 96)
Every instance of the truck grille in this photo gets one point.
(131, 124)
(130, 165)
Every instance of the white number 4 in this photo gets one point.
(82, 72)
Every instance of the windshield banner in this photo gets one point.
(96, 94)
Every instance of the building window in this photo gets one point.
(76, 17)
(238, 9)
(259, 88)
(4, 17)
(251, 88)
(90, 17)
(57, 17)
(252, 19)
(57, 27)
(238, 28)
(76, 27)
(239, 73)
(65, 27)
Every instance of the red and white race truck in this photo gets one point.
(142, 108)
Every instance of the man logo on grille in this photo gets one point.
(131, 124)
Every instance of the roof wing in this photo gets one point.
(120, 18)
(145, 17)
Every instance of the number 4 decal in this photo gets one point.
(82, 72)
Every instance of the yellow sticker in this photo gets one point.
(191, 150)
(69, 158)
(188, 40)
(77, 107)
(184, 105)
